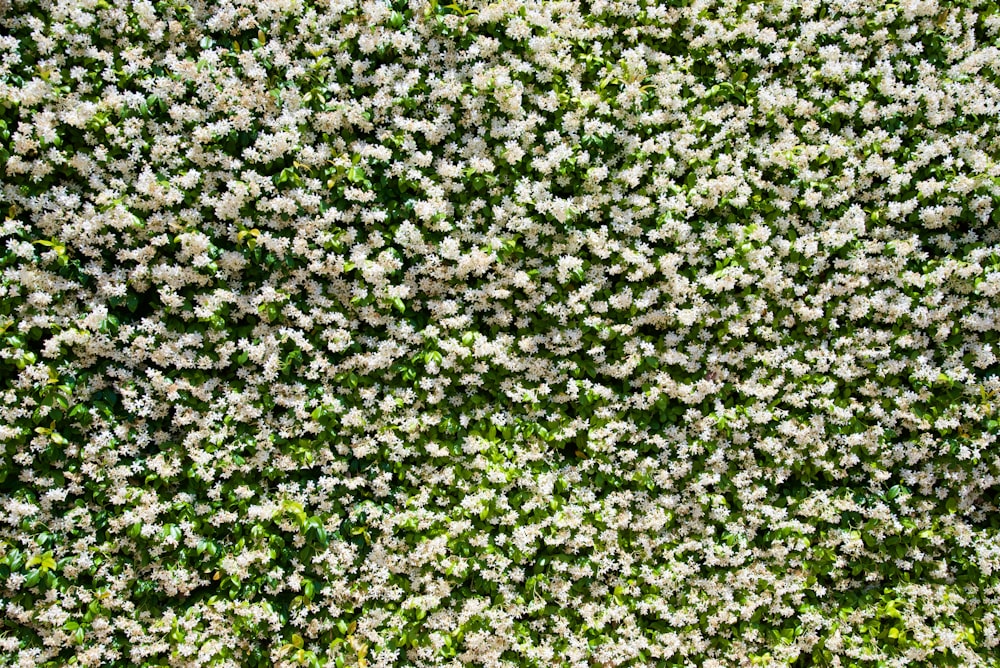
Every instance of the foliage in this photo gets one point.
(364, 333)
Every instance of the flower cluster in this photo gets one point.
(503, 333)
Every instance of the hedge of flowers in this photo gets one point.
(521, 333)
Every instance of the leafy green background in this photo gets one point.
(227, 439)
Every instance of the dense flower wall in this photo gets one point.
(526, 333)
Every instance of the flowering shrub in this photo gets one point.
(343, 333)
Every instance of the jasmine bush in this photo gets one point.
(524, 333)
